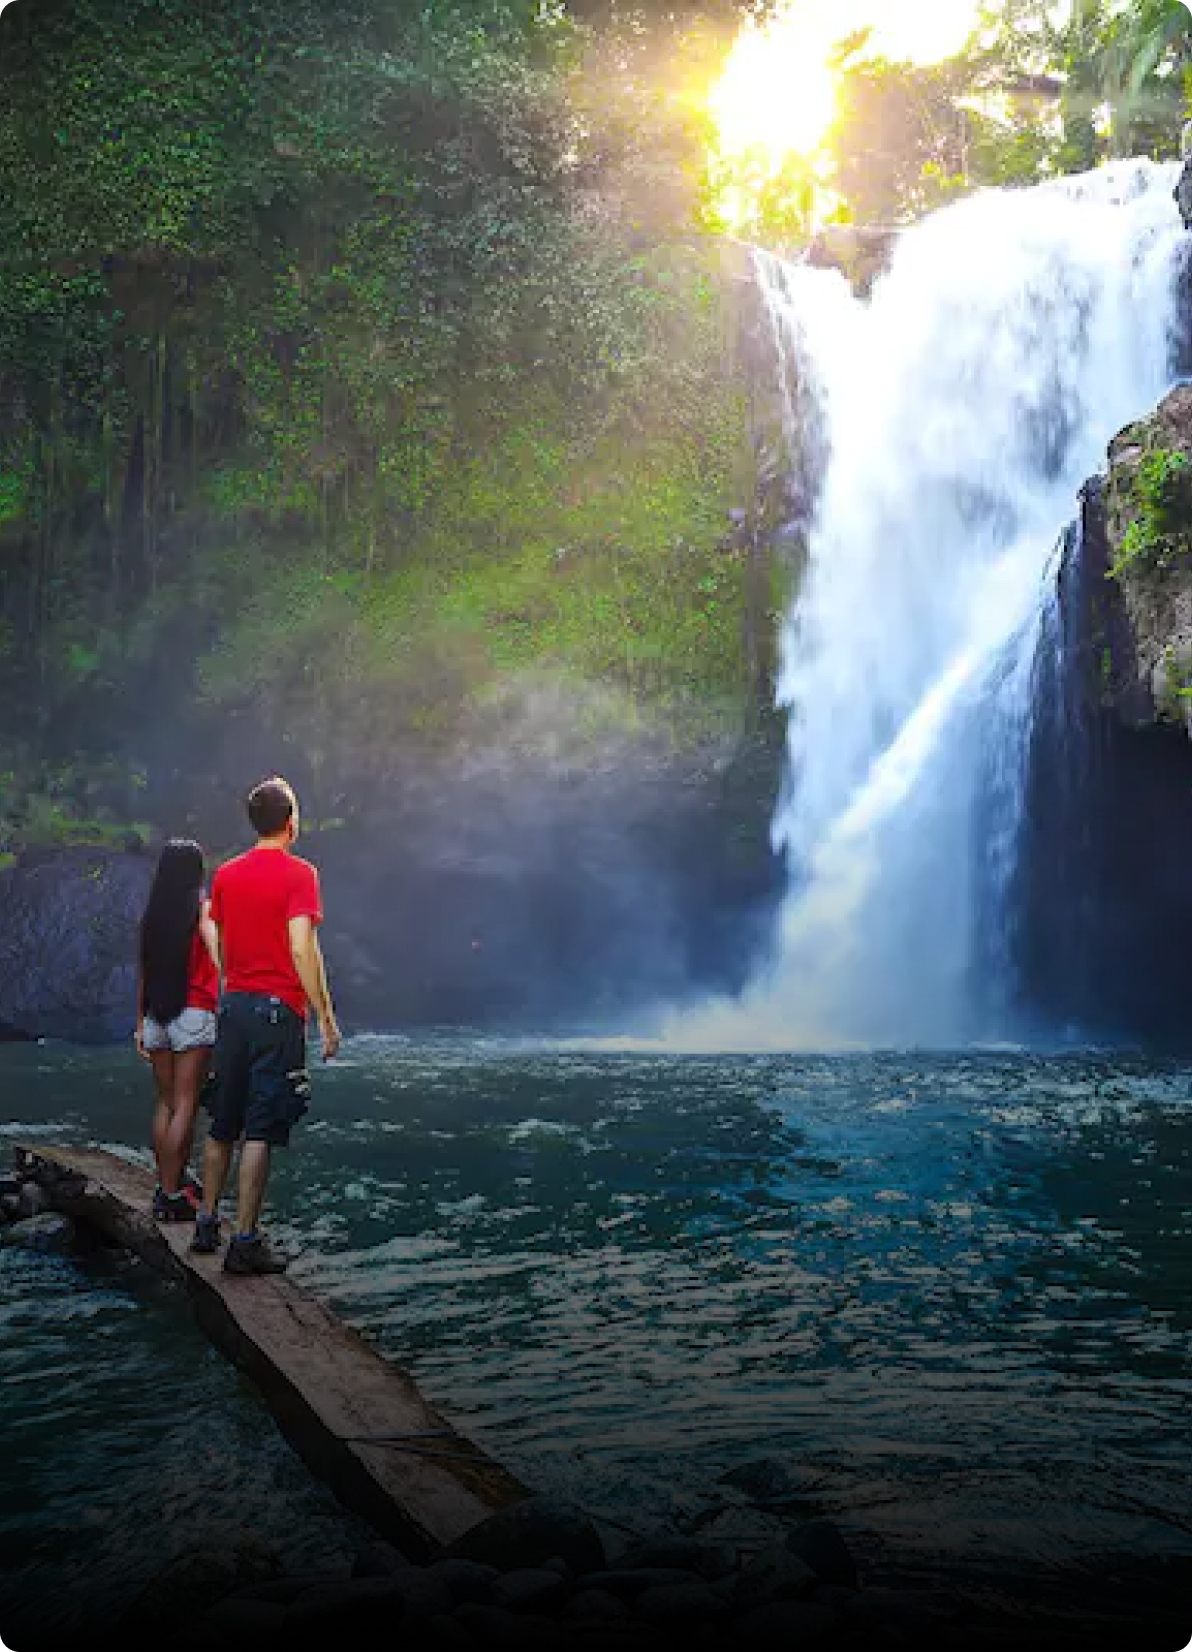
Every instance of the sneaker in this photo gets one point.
(181, 1206)
(206, 1239)
(251, 1254)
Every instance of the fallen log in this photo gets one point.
(354, 1417)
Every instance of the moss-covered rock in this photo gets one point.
(1147, 505)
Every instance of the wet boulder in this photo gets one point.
(530, 1533)
(46, 1232)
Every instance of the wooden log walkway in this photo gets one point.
(354, 1417)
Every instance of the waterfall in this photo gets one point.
(959, 410)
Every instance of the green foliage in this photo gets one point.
(1111, 69)
(322, 330)
(899, 147)
(1038, 90)
(1161, 502)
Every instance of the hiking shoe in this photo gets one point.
(251, 1254)
(206, 1239)
(181, 1206)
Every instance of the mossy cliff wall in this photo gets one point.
(1104, 893)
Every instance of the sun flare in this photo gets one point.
(777, 95)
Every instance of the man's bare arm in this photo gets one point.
(308, 961)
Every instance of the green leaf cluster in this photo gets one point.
(1161, 512)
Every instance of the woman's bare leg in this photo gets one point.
(162, 1062)
(190, 1069)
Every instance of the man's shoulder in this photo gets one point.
(303, 868)
(229, 867)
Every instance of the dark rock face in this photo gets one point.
(1104, 892)
(1183, 192)
(543, 896)
(1149, 600)
(861, 252)
(68, 924)
(518, 892)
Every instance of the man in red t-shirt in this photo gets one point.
(265, 906)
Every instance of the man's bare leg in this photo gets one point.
(250, 1192)
(217, 1161)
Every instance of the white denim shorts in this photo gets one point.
(192, 1030)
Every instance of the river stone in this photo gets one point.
(684, 1554)
(442, 1634)
(283, 1591)
(773, 1574)
(680, 1605)
(492, 1626)
(623, 1637)
(907, 1609)
(634, 1581)
(464, 1580)
(595, 1606)
(531, 1532)
(358, 1608)
(783, 1626)
(33, 1199)
(747, 1526)
(42, 1233)
(425, 1593)
(820, 1544)
(881, 1638)
(379, 1560)
(192, 1583)
(771, 1482)
(522, 1591)
(239, 1621)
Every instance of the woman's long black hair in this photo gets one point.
(168, 928)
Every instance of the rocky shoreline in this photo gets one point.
(543, 1576)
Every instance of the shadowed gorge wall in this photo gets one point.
(1103, 896)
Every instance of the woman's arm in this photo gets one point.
(209, 930)
(138, 1036)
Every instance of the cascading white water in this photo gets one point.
(961, 409)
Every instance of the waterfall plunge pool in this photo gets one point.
(948, 1293)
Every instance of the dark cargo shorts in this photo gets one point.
(259, 1087)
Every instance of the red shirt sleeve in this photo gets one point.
(303, 900)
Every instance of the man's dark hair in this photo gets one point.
(270, 806)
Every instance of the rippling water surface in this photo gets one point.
(952, 1293)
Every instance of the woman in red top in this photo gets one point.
(177, 997)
